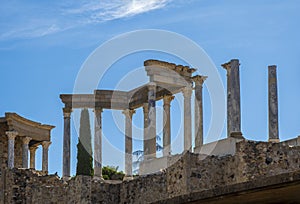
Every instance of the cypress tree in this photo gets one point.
(84, 146)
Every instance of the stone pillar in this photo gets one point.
(25, 149)
(233, 97)
(67, 143)
(187, 92)
(128, 141)
(199, 80)
(45, 145)
(32, 151)
(273, 105)
(151, 132)
(98, 143)
(146, 141)
(11, 148)
(167, 126)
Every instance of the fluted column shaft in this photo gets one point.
(273, 104)
(167, 125)
(45, 145)
(25, 149)
(32, 151)
(98, 143)
(128, 141)
(67, 143)
(187, 92)
(11, 135)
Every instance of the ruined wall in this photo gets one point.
(190, 173)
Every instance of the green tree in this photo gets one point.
(112, 173)
(84, 146)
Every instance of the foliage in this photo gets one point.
(84, 146)
(112, 173)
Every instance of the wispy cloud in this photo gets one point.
(74, 14)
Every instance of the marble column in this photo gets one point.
(67, 143)
(199, 80)
(45, 145)
(273, 104)
(187, 92)
(128, 141)
(233, 97)
(146, 141)
(32, 151)
(11, 135)
(151, 136)
(167, 125)
(98, 143)
(25, 149)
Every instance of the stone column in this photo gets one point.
(273, 105)
(151, 136)
(11, 148)
(98, 143)
(187, 92)
(167, 126)
(25, 148)
(67, 143)
(146, 141)
(45, 145)
(233, 97)
(128, 141)
(199, 80)
(32, 151)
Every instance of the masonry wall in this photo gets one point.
(190, 173)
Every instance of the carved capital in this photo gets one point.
(187, 92)
(168, 99)
(98, 110)
(67, 112)
(152, 86)
(11, 134)
(128, 113)
(32, 149)
(26, 140)
(46, 144)
(199, 80)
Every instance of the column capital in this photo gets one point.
(26, 140)
(233, 62)
(199, 80)
(98, 110)
(128, 112)
(33, 148)
(67, 112)
(187, 92)
(46, 144)
(167, 99)
(11, 134)
(151, 86)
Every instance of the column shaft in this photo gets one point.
(25, 149)
(11, 148)
(233, 97)
(151, 153)
(45, 145)
(128, 141)
(32, 151)
(187, 92)
(67, 143)
(98, 143)
(167, 126)
(273, 104)
(146, 141)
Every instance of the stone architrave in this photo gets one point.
(273, 104)
(45, 145)
(98, 143)
(32, 151)
(11, 135)
(25, 149)
(233, 97)
(151, 132)
(128, 141)
(167, 125)
(199, 80)
(67, 143)
(187, 92)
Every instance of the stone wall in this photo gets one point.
(190, 173)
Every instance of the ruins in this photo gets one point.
(231, 170)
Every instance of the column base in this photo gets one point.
(66, 178)
(274, 140)
(128, 178)
(98, 178)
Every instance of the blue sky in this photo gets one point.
(44, 43)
